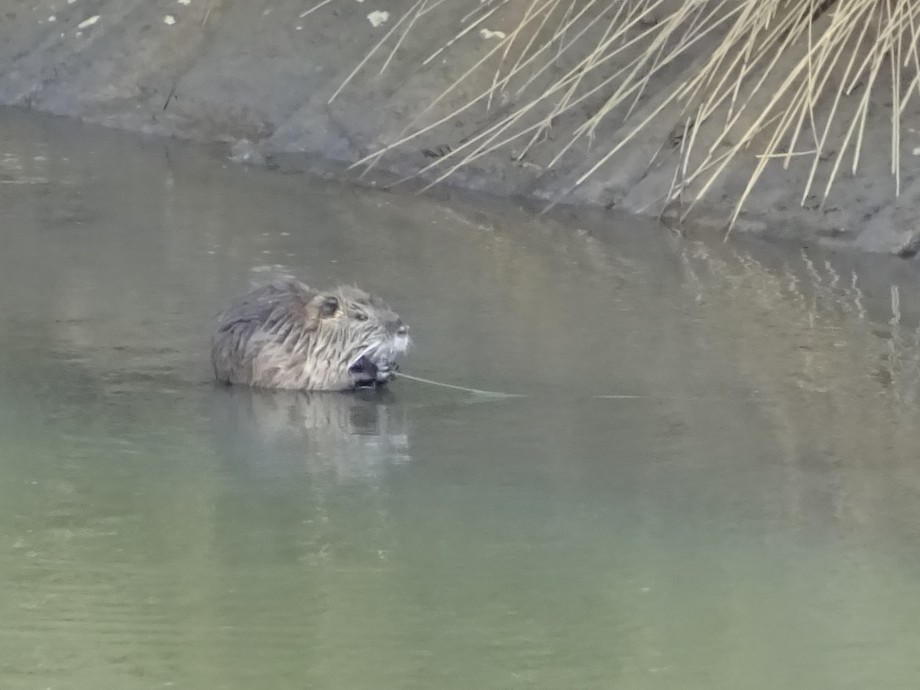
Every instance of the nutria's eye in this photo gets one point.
(329, 306)
(360, 317)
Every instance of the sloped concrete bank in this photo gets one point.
(257, 76)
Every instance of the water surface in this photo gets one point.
(709, 479)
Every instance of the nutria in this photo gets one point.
(287, 335)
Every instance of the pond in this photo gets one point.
(706, 477)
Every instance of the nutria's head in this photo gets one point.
(356, 340)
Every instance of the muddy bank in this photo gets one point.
(258, 77)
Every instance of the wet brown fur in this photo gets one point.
(287, 335)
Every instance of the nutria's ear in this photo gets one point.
(329, 306)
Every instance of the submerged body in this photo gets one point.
(287, 335)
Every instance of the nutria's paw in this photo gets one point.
(387, 372)
(370, 373)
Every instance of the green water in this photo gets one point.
(747, 520)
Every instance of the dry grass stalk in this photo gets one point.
(776, 73)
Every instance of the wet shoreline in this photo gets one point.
(255, 81)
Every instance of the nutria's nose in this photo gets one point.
(402, 329)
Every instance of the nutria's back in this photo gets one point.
(287, 335)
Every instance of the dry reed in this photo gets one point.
(750, 82)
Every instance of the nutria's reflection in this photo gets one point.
(283, 433)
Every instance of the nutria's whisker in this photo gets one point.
(494, 394)
(663, 397)
(498, 394)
